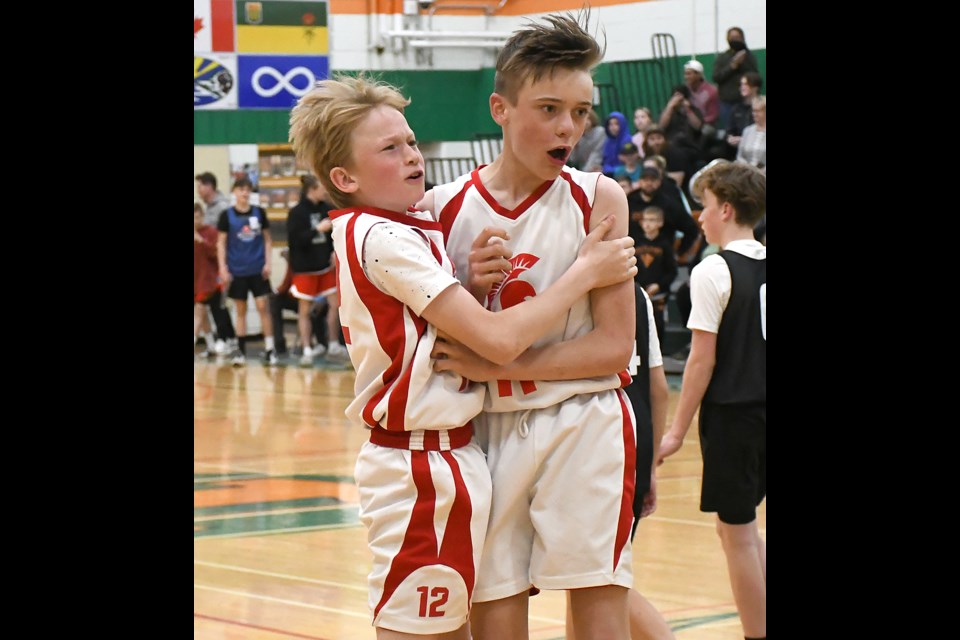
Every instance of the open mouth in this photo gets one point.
(415, 175)
(560, 153)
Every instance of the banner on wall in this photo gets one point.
(215, 81)
(277, 81)
(282, 26)
(213, 25)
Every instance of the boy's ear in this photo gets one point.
(343, 181)
(498, 108)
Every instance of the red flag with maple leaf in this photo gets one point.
(213, 25)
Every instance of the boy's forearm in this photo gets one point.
(696, 378)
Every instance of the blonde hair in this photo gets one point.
(323, 120)
(539, 49)
(760, 102)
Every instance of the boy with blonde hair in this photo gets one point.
(423, 483)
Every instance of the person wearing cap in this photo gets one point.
(629, 166)
(703, 95)
(728, 68)
(675, 218)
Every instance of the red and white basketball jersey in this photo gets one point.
(546, 231)
(391, 266)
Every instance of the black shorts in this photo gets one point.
(733, 441)
(243, 285)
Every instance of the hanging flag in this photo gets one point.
(282, 26)
(213, 25)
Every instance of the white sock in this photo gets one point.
(333, 346)
(268, 343)
(208, 338)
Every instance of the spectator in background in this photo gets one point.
(679, 160)
(587, 154)
(703, 96)
(311, 260)
(216, 203)
(681, 122)
(675, 219)
(753, 144)
(656, 263)
(728, 68)
(206, 288)
(642, 119)
(244, 254)
(618, 134)
(283, 299)
(742, 114)
(629, 166)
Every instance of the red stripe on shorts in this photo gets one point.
(629, 480)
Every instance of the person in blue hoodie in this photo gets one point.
(618, 134)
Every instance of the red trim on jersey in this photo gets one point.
(580, 197)
(625, 378)
(448, 215)
(517, 211)
(346, 334)
(459, 437)
(629, 480)
(419, 547)
(387, 322)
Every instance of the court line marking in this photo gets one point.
(247, 625)
(270, 532)
(278, 512)
(293, 603)
(284, 576)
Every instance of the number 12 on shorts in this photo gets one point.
(439, 596)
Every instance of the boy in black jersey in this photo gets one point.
(726, 375)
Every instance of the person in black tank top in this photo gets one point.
(725, 376)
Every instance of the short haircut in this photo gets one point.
(539, 49)
(241, 182)
(658, 160)
(738, 183)
(197, 208)
(323, 120)
(760, 102)
(753, 79)
(656, 211)
(207, 178)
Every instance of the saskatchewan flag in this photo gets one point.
(282, 26)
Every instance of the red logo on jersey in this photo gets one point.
(513, 291)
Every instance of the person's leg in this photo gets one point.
(269, 351)
(276, 318)
(463, 633)
(503, 618)
(221, 317)
(646, 623)
(305, 328)
(334, 348)
(239, 354)
(199, 311)
(600, 612)
(746, 557)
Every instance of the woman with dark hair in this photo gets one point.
(311, 261)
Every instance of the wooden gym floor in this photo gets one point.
(278, 549)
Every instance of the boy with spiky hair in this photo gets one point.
(557, 427)
(423, 483)
(726, 375)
